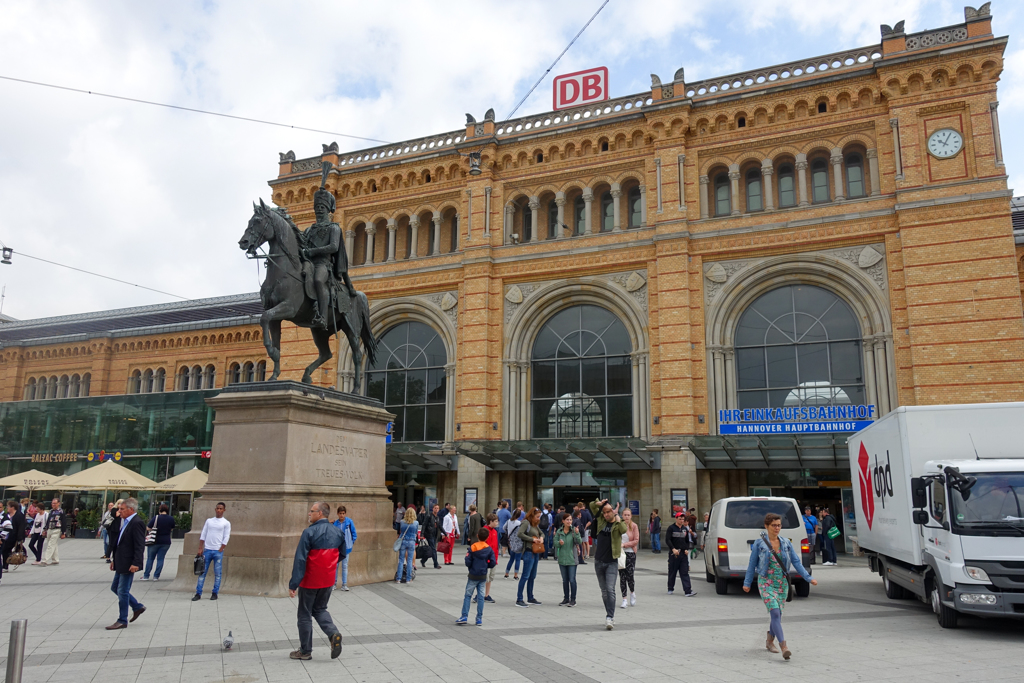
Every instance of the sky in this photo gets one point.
(159, 197)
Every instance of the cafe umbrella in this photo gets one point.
(30, 480)
(186, 482)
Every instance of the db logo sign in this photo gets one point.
(873, 482)
(582, 87)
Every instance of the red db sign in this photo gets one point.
(582, 87)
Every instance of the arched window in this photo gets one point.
(261, 371)
(579, 211)
(408, 240)
(135, 383)
(854, 176)
(209, 377)
(819, 181)
(247, 372)
(607, 211)
(159, 380)
(409, 378)
(799, 346)
(183, 379)
(62, 386)
(51, 387)
(147, 382)
(527, 223)
(195, 378)
(582, 379)
(723, 195)
(30, 390)
(635, 210)
(553, 226)
(234, 374)
(787, 186)
(86, 379)
(755, 199)
(453, 243)
(75, 387)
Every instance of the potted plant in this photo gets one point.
(88, 523)
(182, 525)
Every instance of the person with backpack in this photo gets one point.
(515, 544)
(828, 547)
(654, 530)
(504, 514)
(545, 527)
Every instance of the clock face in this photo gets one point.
(945, 143)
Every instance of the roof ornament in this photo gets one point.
(983, 11)
(886, 29)
(489, 116)
(286, 156)
(470, 119)
(333, 147)
(679, 76)
(655, 81)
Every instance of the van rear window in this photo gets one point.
(749, 514)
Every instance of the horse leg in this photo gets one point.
(322, 339)
(357, 360)
(273, 344)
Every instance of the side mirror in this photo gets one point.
(918, 493)
(920, 517)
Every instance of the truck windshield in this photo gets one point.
(997, 498)
(749, 514)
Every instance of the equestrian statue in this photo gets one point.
(307, 282)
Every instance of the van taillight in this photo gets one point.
(723, 545)
(805, 546)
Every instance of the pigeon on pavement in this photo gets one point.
(229, 641)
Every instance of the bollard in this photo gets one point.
(16, 650)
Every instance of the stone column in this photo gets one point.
(616, 193)
(449, 407)
(635, 376)
(881, 376)
(643, 206)
(704, 182)
(719, 485)
(435, 239)
(897, 154)
(588, 219)
(870, 388)
(997, 137)
(414, 236)
(731, 399)
(535, 219)
(487, 212)
(644, 393)
(680, 161)
(469, 215)
(872, 155)
(837, 174)
(657, 168)
(508, 409)
(734, 181)
(371, 230)
(524, 406)
(767, 193)
(456, 228)
(719, 369)
(560, 203)
(801, 178)
(678, 471)
(510, 210)
(350, 244)
(392, 228)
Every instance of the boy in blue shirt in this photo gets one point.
(479, 559)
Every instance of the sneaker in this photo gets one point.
(520, 603)
(144, 578)
(488, 598)
(691, 594)
(197, 596)
(335, 645)
(479, 622)
(609, 624)
(41, 562)
(156, 578)
(572, 603)
(625, 603)
(632, 599)
(474, 599)
(299, 654)
(461, 621)
(403, 581)
(534, 602)
(670, 591)
(344, 588)
(213, 596)
(563, 603)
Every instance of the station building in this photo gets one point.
(692, 292)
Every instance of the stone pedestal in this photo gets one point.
(277, 448)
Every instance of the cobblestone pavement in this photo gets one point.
(846, 631)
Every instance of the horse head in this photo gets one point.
(259, 230)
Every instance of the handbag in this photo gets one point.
(537, 546)
(151, 536)
(422, 549)
(778, 558)
(198, 565)
(444, 546)
(622, 559)
(18, 556)
(834, 533)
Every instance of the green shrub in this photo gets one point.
(183, 521)
(89, 519)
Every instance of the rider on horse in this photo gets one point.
(325, 249)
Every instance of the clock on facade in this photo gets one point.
(945, 143)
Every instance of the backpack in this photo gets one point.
(515, 544)
(544, 521)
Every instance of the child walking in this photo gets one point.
(479, 559)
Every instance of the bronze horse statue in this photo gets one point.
(287, 295)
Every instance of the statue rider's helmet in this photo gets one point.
(323, 198)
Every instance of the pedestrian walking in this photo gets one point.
(630, 543)
(428, 529)
(348, 531)
(128, 541)
(504, 514)
(588, 522)
(566, 543)
(314, 573)
(515, 544)
(105, 522)
(680, 538)
(476, 523)
(769, 557)
(810, 526)
(72, 524)
(160, 527)
(480, 560)
(13, 533)
(407, 551)
(577, 523)
(399, 515)
(547, 525)
(607, 549)
(828, 548)
(54, 524)
(654, 530)
(530, 534)
(450, 526)
(492, 540)
(212, 541)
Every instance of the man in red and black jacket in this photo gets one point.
(321, 548)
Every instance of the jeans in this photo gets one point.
(157, 552)
(568, 581)
(549, 541)
(344, 571)
(215, 558)
(530, 562)
(472, 585)
(828, 549)
(810, 541)
(679, 564)
(313, 605)
(36, 546)
(607, 576)
(513, 557)
(406, 556)
(656, 542)
(122, 586)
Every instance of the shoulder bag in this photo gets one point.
(18, 556)
(398, 541)
(537, 545)
(151, 536)
(778, 558)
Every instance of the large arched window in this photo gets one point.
(209, 377)
(819, 181)
(409, 378)
(75, 388)
(159, 379)
(635, 209)
(30, 390)
(799, 346)
(582, 381)
(787, 186)
(854, 176)
(86, 380)
(607, 211)
(135, 382)
(755, 199)
(553, 226)
(723, 195)
(579, 211)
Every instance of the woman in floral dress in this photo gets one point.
(772, 578)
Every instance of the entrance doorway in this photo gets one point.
(570, 496)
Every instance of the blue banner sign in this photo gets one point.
(796, 420)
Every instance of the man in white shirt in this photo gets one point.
(212, 541)
(450, 526)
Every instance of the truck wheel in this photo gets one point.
(803, 589)
(946, 615)
(892, 591)
(721, 586)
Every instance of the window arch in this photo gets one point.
(819, 181)
(582, 380)
(248, 373)
(787, 186)
(796, 346)
(260, 373)
(183, 379)
(209, 377)
(234, 374)
(580, 215)
(755, 195)
(855, 176)
(159, 379)
(62, 386)
(75, 387)
(409, 377)
(553, 226)
(135, 383)
(195, 378)
(723, 194)
(607, 211)
(634, 208)
(86, 379)
(147, 382)
(30, 390)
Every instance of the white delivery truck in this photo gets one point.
(939, 497)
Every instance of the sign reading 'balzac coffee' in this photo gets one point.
(55, 457)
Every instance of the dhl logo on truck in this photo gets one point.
(874, 482)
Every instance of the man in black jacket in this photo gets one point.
(127, 543)
(17, 533)
(429, 525)
(679, 538)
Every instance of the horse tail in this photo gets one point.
(369, 341)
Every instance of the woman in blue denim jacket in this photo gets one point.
(773, 579)
(407, 532)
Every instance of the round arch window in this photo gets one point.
(799, 346)
(409, 379)
(582, 380)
